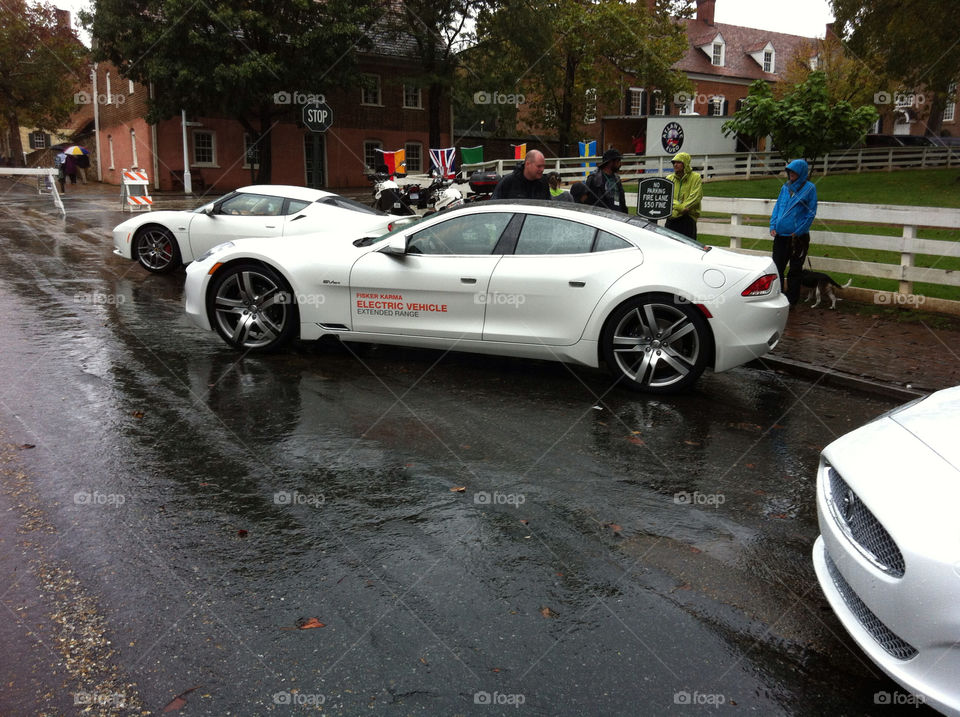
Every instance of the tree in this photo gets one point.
(439, 29)
(915, 40)
(42, 65)
(848, 77)
(567, 58)
(805, 122)
(244, 59)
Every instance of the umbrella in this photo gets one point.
(76, 150)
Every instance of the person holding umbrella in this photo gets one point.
(80, 163)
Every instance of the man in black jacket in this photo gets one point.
(526, 181)
(604, 188)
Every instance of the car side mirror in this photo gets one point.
(395, 246)
(210, 210)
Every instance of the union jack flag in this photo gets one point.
(444, 162)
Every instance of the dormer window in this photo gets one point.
(715, 49)
(766, 57)
(815, 62)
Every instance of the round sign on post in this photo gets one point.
(317, 116)
(655, 198)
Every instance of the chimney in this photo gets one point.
(705, 11)
(63, 18)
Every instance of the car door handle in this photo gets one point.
(467, 280)
(578, 284)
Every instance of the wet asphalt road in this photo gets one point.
(476, 535)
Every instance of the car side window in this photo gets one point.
(296, 205)
(547, 235)
(468, 234)
(254, 205)
(609, 242)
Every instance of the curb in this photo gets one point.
(830, 377)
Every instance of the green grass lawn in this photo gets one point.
(922, 187)
(933, 187)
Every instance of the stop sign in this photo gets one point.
(317, 116)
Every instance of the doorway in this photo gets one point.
(315, 159)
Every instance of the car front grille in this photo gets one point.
(862, 526)
(895, 646)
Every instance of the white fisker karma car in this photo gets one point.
(888, 555)
(545, 280)
(161, 241)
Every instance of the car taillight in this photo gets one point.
(763, 285)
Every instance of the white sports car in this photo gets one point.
(161, 241)
(888, 557)
(546, 280)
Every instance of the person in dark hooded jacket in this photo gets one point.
(790, 225)
(526, 181)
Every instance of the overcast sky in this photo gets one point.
(794, 17)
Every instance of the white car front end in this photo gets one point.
(888, 557)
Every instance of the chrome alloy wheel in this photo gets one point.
(252, 308)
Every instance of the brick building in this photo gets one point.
(384, 111)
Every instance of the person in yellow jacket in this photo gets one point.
(687, 193)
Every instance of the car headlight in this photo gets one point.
(215, 250)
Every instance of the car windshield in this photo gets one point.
(669, 233)
(395, 227)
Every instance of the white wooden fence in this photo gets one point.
(907, 245)
(749, 165)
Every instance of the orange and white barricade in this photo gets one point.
(135, 190)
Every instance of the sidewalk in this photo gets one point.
(898, 352)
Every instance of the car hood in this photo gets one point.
(162, 215)
(935, 421)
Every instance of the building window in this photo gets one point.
(110, 147)
(715, 107)
(414, 155)
(39, 140)
(815, 62)
(637, 98)
(109, 91)
(659, 106)
(951, 108)
(590, 108)
(412, 99)
(370, 90)
(768, 61)
(204, 148)
(251, 152)
(371, 157)
(129, 87)
(717, 58)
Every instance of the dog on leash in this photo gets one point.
(821, 284)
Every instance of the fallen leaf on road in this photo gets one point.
(458, 489)
(309, 623)
(27, 446)
(547, 612)
(137, 414)
(180, 701)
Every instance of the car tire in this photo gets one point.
(656, 343)
(252, 307)
(156, 249)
